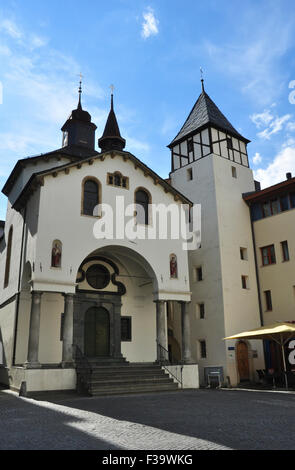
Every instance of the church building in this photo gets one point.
(116, 314)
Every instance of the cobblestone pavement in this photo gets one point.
(184, 420)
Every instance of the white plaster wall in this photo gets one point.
(241, 306)
(279, 278)
(7, 318)
(189, 375)
(29, 170)
(225, 228)
(201, 190)
(60, 218)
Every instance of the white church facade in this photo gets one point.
(70, 300)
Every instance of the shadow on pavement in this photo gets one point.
(28, 426)
(236, 419)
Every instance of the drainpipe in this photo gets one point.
(258, 281)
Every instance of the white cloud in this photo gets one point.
(10, 28)
(150, 24)
(274, 127)
(257, 158)
(262, 119)
(276, 171)
(290, 126)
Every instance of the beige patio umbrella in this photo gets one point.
(280, 332)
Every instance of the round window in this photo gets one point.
(98, 276)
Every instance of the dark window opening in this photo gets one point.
(90, 197)
(203, 349)
(142, 202)
(285, 251)
(126, 333)
(268, 300)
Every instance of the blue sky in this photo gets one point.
(152, 52)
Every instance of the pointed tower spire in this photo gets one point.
(80, 92)
(111, 138)
(202, 80)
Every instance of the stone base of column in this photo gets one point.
(67, 365)
(32, 365)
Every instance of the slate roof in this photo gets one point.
(203, 113)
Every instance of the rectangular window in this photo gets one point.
(284, 200)
(274, 204)
(199, 274)
(234, 172)
(292, 199)
(203, 349)
(229, 143)
(189, 174)
(285, 251)
(245, 282)
(243, 253)
(268, 255)
(202, 311)
(126, 333)
(268, 301)
(190, 145)
(266, 210)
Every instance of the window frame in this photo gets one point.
(268, 300)
(148, 212)
(269, 255)
(97, 182)
(284, 244)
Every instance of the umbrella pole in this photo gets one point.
(284, 360)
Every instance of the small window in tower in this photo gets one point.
(243, 253)
(234, 172)
(202, 311)
(190, 145)
(203, 349)
(198, 273)
(245, 282)
(189, 174)
(229, 143)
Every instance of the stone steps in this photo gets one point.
(114, 378)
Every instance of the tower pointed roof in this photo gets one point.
(111, 138)
(205, 112)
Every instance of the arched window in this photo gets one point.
(90, 197)
(142, 201)
(8, 257)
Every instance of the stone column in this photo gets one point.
(117, 329)
(33, 345)
(162, 355)
(186, 337)
(67, 344)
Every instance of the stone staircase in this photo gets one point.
(120, 377)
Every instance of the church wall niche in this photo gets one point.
(56, 254)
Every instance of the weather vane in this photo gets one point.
(112, 89)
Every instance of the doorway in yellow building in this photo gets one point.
(243, 361)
